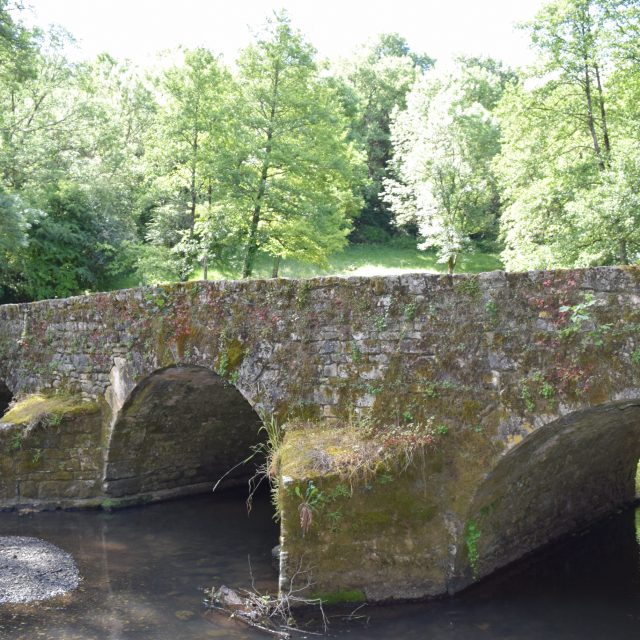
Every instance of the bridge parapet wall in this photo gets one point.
(532, 345)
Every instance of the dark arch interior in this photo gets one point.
(5, 398)
(563, 477)
(179, 432)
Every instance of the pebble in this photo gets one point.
(32, 569)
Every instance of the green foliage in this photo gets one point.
(373, 83)
(302, 295)
(187, 151)
(381, 322)
(578, 315)
(68, 250)
(288, 129)
(311, 495)
(569, 157)
(113, 177)
(17, 219)
(409, 312)
(310, 501)
(525, 394)
(53, 420)
(472, 535)
(443, 146)
(547, 391)
(407, 415)
(469, 287)
(15, 444)
(491, 309)
(223, 364)
(67, 169)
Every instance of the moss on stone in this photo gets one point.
(235, 354)
(34, 406)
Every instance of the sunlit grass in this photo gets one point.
(364, 260)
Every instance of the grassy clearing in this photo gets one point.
(364, 260)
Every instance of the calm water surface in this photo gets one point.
(143, 570)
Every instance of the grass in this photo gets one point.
(364, 260)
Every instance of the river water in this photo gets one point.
(144, 570)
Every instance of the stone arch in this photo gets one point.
(179, 430)
(6, 396)
(564, 476)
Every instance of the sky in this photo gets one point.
(139, 29)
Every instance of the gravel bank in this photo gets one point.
(32, 569)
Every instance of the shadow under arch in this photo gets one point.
(560, 479)
(6, 396)
(178, 432)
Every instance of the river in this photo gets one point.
(144, 569)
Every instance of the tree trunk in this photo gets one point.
(193, 194)
(205, 268)
(451, 263)
(276, 266)
(252, 242)
(603, 114)
(623, 255)
(590, 119)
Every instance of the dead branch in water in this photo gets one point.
(265, 612)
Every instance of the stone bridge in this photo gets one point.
(436, 428)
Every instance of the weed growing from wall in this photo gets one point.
(472, 535)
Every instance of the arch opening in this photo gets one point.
(180, 430)
(6, 397)
(563, 477)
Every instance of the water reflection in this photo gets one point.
(143, 567)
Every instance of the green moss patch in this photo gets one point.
(35, 406)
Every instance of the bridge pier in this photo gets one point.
(391, 520)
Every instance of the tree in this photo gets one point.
(41, 108)
(15, 38)
(69, 149)
(290, 173)
(68, 249)
(16, 219)
(565, 128)
(187, 151)
(443, 147)
(375, 83)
